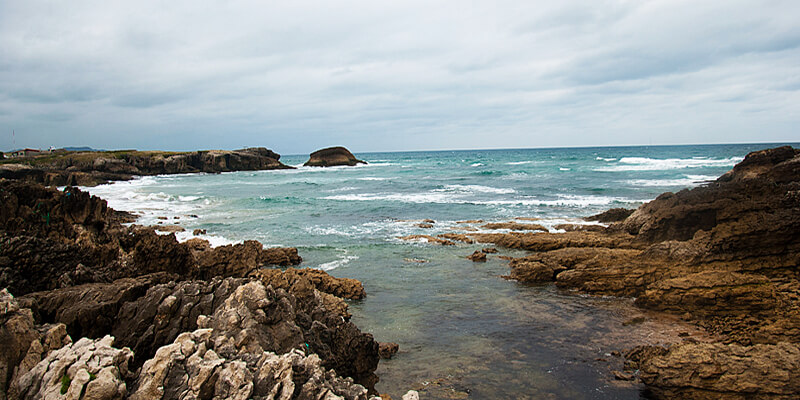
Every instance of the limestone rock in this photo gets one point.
(90, 367)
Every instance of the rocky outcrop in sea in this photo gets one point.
(92, 168)
(331, 157)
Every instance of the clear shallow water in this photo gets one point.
(462, 330)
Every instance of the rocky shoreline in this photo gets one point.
(723, 256)
(92, 308)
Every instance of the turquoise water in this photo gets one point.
(462, 330)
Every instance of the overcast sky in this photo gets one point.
(387, 76)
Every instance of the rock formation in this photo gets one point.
(332, 156)
(93, 168)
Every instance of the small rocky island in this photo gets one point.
(332, 157)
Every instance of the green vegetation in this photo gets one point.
(65, 382)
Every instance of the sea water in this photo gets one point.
(463, 331)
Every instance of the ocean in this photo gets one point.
(463, 331)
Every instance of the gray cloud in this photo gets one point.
(399, 76)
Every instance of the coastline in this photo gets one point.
(608, 248)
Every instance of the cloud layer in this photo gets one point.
(397, 75)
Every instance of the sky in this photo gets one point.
(397, 75)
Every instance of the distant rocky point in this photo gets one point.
(90, 168)
(331, 157)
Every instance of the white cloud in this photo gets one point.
(399, 75)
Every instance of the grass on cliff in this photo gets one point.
(61, 157)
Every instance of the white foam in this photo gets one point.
(344, 259)
(475, 188)
(519, 162)
(653, 164)
(372, 178)
(477, 164)
(564, 169)
(689, 180)
(565, 200)
(605, 159)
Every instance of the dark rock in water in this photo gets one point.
(612, 215)
(387, 350)
(489, 250)
(332, 156)
(477, 256)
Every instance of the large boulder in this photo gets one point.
(332, 156)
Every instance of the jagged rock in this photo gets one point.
(194, 367)
(90, 309)
(719, 371)
(477, 256)
(17, 331)
(241, 259)
(320, 280)
(86, 369)
(387, 350)
(332, 156)
(489, 250)
(198, 231)
(612, 215)
(515, 226)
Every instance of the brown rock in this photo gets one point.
(198, 232)
(580, 227)
(489, 250)
(477, 256)
(425, 226)
(612, 215)
(332, 156)
(387, 350)
(470, 221)
(532, 272)
(718, 371)
(456, 237)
